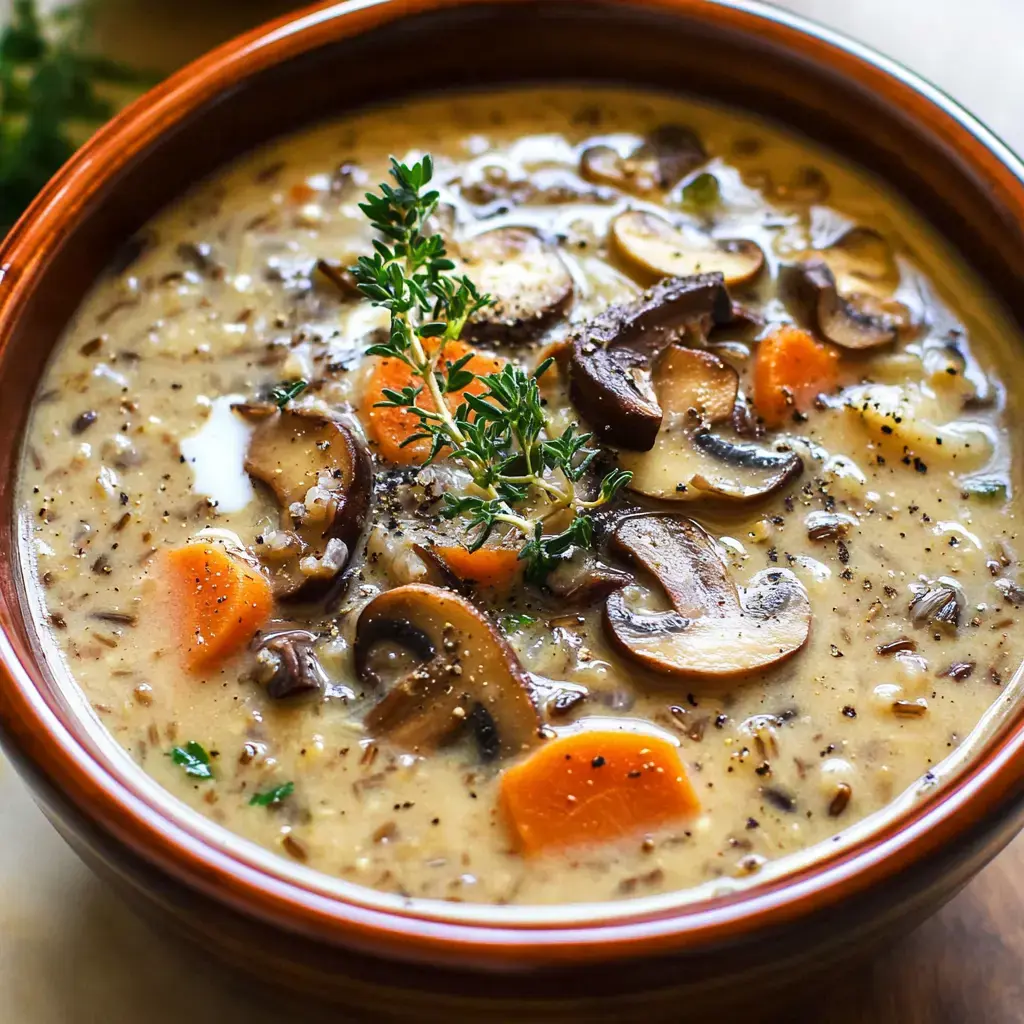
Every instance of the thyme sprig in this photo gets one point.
(501, 435)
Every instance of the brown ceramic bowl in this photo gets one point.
(370, 950)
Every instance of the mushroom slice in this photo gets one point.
(714, 629)
(288, 664)
(696, 389)
(861, 261)
(530, 284)
(658, 248)
(467, 676)
(610, 366)
(857, 322)
(695, 384)
(661, 161)
(693, 464)
(322, 478)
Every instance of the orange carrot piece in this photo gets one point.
(790, 371)
(595, 786)
(302, 193)
(390, 427)
(488, 567)
(220, 601)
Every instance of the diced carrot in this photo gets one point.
(389, 427)
(595, 786)
(790, 371)
(302, 193)
(488, 567)
(220, 601)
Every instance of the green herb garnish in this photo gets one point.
(49, 101)
(194, 759)
(514, 623)
(273, 796)
(702, 192)
(502, 437)
(284, 392)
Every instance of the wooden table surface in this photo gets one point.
(70, 953)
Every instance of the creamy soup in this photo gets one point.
(802, 600)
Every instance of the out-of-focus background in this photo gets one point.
(71, 953)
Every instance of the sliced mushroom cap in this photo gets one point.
(661, 161)
(696, 390)
(809, 287)
(530, 284)
(467, 676)
(583, 579)
(861, 260)
(288, 664)
(695, 384)
(322, 478)
(658, 248)
(690, 465)
(614, 353)
(714, 629)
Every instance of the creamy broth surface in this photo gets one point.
(134, 448)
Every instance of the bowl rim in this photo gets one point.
(115, 795)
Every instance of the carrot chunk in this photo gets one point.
(487, 567)
(790, 371)
(220, 601)
(595, 786)
(389, 427)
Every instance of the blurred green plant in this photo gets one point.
(53, 92)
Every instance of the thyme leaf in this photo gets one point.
(194, 759)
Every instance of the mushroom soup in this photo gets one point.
(637, 511)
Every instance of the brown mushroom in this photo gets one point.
(714, 629)
(584, 579)
(809, 287)
(467, 677)
(527, 279)
(696, 390)
(613, 355)
(661, 161)
(688, 465)
(662, 250)
(287, 663)
(322, 478)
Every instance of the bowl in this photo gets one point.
(374, 952)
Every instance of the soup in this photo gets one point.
(714, 558)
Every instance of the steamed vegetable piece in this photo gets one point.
(663, 159)
(714, 630)
(467, 677)
(391, 426)
(322, 478)
(657, 248)
(218, 600)
(790, 371)
(501, 436)
(486, 567)
(613, 355)
(595, 786)
(902, 424)
(529, 284)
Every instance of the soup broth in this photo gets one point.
(806, 596)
